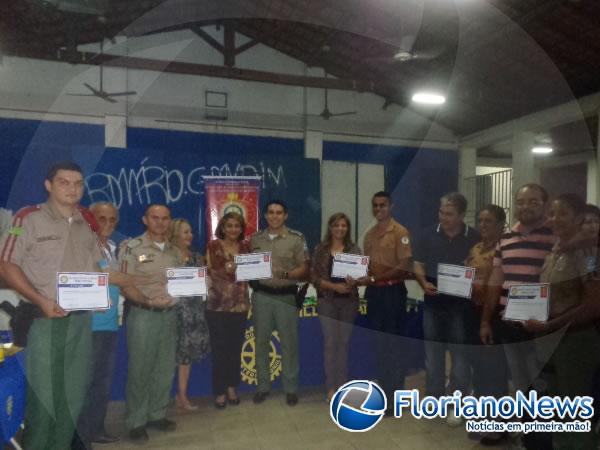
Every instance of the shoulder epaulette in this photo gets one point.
(297, 233)
(89, 218)
(16, 230)
(25, 211)
(133, 243)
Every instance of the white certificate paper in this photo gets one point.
(348, 265)
(186, 281)
(455, 280)
(77, 291)
(528, 301)
(253, 266)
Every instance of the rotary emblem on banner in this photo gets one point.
(248, 368)
(233, 205)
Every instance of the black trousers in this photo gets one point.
(226, 338)
(386, 311)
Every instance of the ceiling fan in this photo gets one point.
(327, 114)
(406, 52)
(100, 92)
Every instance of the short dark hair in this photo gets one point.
(592, 209)
(62, 165)
(457, 200)
(153, 205)
(220, 231)
(275, 202)
(384, 194)
(539, 187)
(573, 201)
(496, 211)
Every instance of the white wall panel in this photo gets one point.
(371, 179)
(338, 188)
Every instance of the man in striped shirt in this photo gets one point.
(519, 258)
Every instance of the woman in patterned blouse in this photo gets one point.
(228, 305)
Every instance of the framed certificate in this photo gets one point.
(455, 280)
(253, 266)
(349, 265)
(80, 291)
(528, 301)
(186, 281)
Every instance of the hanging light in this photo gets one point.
(542, 149)
(428, 98)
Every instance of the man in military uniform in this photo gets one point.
(43, 240)
(388, 246)
(274, 302)
(151, 329)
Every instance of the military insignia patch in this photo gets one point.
(15, 231)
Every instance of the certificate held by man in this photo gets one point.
(186, 281)
(455, 280)
(253, 266)
(528, 301)
(80, 291)
(348, 265)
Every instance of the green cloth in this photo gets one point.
(57, 363)
(276, 312)
(151, 344)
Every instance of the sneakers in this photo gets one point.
(452, 419)
(163, 424)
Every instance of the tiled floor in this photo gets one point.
(274, 425)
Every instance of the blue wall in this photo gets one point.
(159, 166)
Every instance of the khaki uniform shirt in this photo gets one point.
(42, 242)
(141, 256)
(567, 272)
(386, 250)
(288, 251)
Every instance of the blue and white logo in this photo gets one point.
(358, 406)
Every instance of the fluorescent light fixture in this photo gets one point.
(428, 98)
(542, 149)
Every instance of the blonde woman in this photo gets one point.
(192, 331)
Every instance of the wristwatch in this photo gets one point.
(372, 279)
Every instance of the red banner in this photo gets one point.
(231, 194)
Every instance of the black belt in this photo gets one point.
(150, 308)
(285, 290)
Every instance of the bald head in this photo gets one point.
(107, 216)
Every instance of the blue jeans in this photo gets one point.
(386, 311)
(91, 420)
(448, 324)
